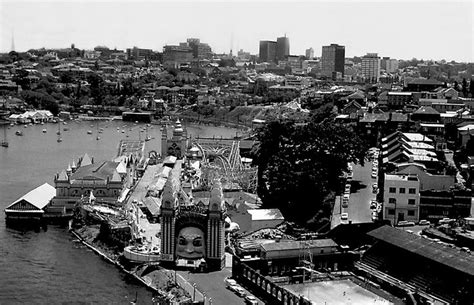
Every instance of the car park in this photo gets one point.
(251, 300)
(344, 216)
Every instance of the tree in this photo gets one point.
(97, 88)
(299, 166)
(464, 87)
(471, 87)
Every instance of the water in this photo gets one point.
(49, 267)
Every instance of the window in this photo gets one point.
(412, 190)
(411, 212)
(392, 190)
(391, 211)
(411, 201)
(402, 190)
(392, 200)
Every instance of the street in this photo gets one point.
(361, 194)
(213, 286)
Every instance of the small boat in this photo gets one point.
(123, 131)
(12, 124)
(89, 132)
(42, 123)
(98, 138)
(64, 123)
(4, 141)
(44, 130)
(19, 133)
(65, 129)
(26, 126)
(59, 134)
(147, 138)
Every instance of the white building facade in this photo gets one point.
(401, 198)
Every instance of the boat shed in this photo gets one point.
(32, 204)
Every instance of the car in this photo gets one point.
(345, 203)
(374, 175)
(424, 222)
(405, 223)
(344, 216)
(240, 291)
(375, 187)
(466, 249)
(251, 300)
(230, 282)
(373, 204)
(347, 189)
(349, 176)
(235, 288)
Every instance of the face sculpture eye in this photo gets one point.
(190, 243)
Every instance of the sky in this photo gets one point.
(399, 29)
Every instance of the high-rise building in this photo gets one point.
(370, 67)
(332, 60)
(267, 52)
(309, 53)
(282, 48)
(200, 50)
(391, 65)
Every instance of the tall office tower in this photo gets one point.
(370, 67)
(332, 60)
(282, 48)
(391, 65)
(267, 52)
(309, 53)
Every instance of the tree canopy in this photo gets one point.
(300, 164)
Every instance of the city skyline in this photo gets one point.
(402, 30)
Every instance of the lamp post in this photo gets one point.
(194, 292)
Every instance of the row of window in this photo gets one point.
(394, 201)
(409, 212)
(402, 190)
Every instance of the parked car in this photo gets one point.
(424, 222)
(229, 282)
(373, 204)
(251, 300)
(466, 249)
(347, 189)
(405, 223)
(374, 174)
(375, 188)
(344, 216)
(240, 291)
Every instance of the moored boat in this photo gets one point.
(19, 133)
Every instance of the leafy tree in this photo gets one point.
(299, 165)
(464, 87)
(97, 88)
(471, 87)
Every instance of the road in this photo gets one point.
(361, 194)
(213, 286)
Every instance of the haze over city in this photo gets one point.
(402, 29)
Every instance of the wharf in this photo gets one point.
(142, 227)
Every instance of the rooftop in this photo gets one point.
(453, 258)
(38, 197)
(266, 214)
(291, 245)
(98, 171)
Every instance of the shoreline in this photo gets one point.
(117, 264)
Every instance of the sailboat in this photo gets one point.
(98, 131)
(4, 142)
(147, 137)
(59, 134)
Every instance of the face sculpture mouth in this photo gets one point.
(190, 243)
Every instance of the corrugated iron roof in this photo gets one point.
(449, 257)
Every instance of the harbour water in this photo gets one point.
(50, 267)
